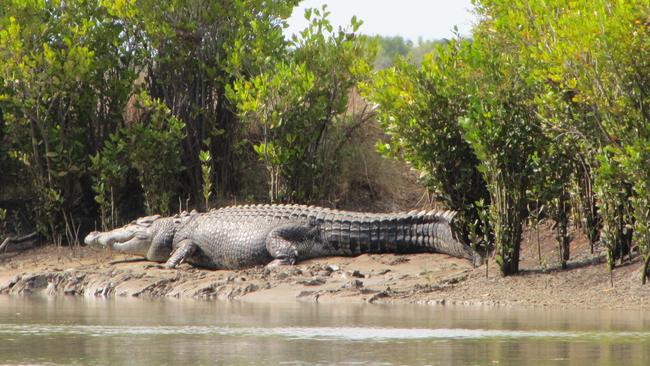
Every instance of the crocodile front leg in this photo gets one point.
(184, 251)
(286, 242)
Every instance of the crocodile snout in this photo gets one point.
(120, 235)
(91, 238)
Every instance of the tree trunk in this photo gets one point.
(562, 222)
(589, 209)
(644, 269)
(508, 229)
(227, 168)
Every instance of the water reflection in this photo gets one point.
(135, 331)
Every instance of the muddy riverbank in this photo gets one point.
(376, 278)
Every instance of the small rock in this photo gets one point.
(312, 282)
(313, 295)
(331, 267)
(454, 280)
(354, 284)
(383, 271)
(251, 288)
(358, 274)
(377, 296)
(281, 275)
(398, 260)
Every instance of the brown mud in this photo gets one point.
(374, 278)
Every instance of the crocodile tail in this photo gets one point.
(423, 231)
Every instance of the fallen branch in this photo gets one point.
(15, 240)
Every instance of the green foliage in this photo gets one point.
(3, 220)
(587, 81)
(193, 51)
(540, 91)
(503, 130)
(635, 163)
(419, 109)
(596, 74)
(109, 172)
(275, 100)
(613, 192)
(69, 68)
(154, 151)
(151, 147)
(206, 174)
(392, 48)
(50, 57)
(553, 171)
(542, 103)
(299, 100)
(389, 49)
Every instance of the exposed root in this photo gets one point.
(16, 240)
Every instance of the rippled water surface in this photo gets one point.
(40, 330)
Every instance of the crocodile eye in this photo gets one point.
(141, 235)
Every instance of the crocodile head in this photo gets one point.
(150, 236)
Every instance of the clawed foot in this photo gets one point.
(477, 260)
(281, 262)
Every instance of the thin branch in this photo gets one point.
(12, 239)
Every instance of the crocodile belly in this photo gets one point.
(231, 246)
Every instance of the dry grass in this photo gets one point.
(365, 180)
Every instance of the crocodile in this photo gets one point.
(237, 237)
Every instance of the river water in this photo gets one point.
(75, 330)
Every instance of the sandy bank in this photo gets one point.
(385, 278)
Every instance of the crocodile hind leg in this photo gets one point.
(286, 242)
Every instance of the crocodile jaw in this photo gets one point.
(129, 239)
(106, 239)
